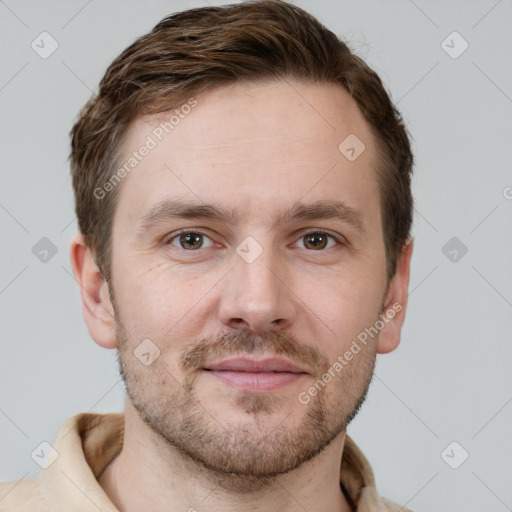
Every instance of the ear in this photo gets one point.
(396, 302)
(96, 305)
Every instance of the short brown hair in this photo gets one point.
(198, 49)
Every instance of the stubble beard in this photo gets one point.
(243, 457)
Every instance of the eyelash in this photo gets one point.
(337, 238)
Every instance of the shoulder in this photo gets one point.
(85, 444)
(20, 496)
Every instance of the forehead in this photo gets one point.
(254, 146)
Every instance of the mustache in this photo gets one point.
(273, 343)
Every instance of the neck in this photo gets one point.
(149, 474)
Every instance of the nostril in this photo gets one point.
(239, 323)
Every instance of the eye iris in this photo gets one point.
(191, 239)
(318, 241)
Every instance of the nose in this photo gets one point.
(258, 296)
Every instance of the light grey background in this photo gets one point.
(450, 378)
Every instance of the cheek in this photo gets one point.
(341, 308)
(160, 302)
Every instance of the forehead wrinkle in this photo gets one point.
(235, 140)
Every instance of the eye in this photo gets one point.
(190, 240)
(319, 240)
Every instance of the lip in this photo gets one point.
(245, 364)
(251, 376)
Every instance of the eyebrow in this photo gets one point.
(180, 209)
(322, 209)
(326, 209)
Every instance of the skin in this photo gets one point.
(192, 441)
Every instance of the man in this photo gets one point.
(242, 186)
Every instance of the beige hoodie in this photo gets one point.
(87, 443)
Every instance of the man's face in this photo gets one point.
(278, 279)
